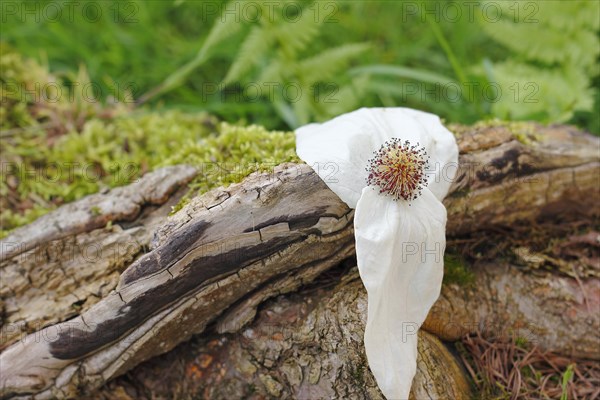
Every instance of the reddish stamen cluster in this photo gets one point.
(398, 169)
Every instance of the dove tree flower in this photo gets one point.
(394, 166)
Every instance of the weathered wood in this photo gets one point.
(95, 211)
(302, 346)
(70, 259)
(502, 181)
(229, 250)
(549, 310)
(224, 245)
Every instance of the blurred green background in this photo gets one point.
(284, 63)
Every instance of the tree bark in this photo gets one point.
(307, 345)
(72, 322)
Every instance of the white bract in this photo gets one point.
(399, 225)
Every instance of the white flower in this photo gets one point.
(399, 221)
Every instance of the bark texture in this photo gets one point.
(307, 345)
(73, 322)
(553, 311)
(70, 259)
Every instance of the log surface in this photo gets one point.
(306, 345)
(229, 250)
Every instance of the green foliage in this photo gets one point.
(256, 44)
(36, 102)
(178, 54)
(274, 48)
(590, 120)
(39, 174)
(552, 59)
(222, 29)
(233, 153)
(172, 51)
(421, 65)
(130, 43)
(550, 37)
(566, 378)
(41, 170)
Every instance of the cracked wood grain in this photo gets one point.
(78, 265)
(95, 211)
(172, 292)
(554, 177)
(230, 249)
(306, 345)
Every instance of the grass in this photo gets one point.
(138, 45)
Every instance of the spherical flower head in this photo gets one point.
(398, 169)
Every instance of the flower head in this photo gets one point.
(399, 249)
(398, 169)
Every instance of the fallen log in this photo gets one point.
(69, 259)
(307, 345)
(227, 251)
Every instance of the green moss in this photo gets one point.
(234, 152)
(524, 132)
(185, 200)
(60, 151)
(11, 219)
(456, 271)
(117, 152)
(96, 211)
(521, 341)
(22, 83)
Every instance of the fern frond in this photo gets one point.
(349, 97)
(303, 107)
(581, 14)
(329, 62)
(254, 47)
(540, 32)
(271, 73)
(551, 95)
(224, 27)
(548, 75)
(294, 36)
